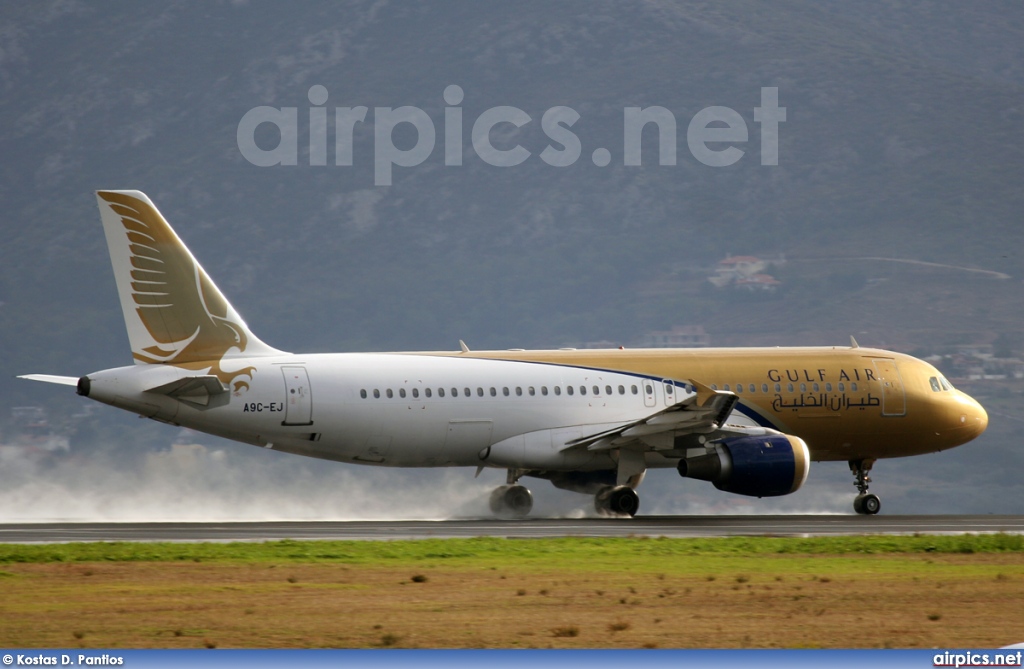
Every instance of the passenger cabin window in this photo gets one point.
(764, 387)
(569, 390)
(608, 390)
(558, 390)
(389, 393)
(519, 391)
(842, 387)
(544, 390)
(635, 389)
(532, 391)
(426, 391)
(479, 391)
(376, 394)
(622, 390)
(494, 391)
(853, 387)
(440, 392)
(828, 387)
(504, 391)
(362, 393)
(597, 390)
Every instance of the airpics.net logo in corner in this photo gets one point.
(711, 135)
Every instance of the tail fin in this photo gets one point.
(173, 311)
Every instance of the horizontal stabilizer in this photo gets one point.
(50, 378)
(201, 391)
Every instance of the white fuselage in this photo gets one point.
(409, 410)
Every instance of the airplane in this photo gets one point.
(747, 420)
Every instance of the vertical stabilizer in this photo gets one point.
(174, 313)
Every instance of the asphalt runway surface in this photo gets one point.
(646, 526)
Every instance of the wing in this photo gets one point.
(175, 300)
(703, 412)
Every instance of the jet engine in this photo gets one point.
(758, 466)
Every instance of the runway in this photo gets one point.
(650, 526)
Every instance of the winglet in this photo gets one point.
(462, 345)
(721, 402)
(853, 342)
(703, 392)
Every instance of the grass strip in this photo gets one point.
(561, 553)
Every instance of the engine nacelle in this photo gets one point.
(763, 466)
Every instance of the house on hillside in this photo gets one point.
(758, 283)
(746, 273)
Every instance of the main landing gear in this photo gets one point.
(620, 500)
(511, 500)
(864, 503)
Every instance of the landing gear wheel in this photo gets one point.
(511, 501)
(865, 503)
(620, 501)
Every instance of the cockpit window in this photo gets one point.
(945, 383)
(935, 384)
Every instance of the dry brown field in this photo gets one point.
(684, 600)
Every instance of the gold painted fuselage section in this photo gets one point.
(846, 403)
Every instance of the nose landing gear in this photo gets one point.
(511, 500)
(864, 503)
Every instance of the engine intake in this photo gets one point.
(762, 466)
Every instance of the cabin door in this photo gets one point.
(298, 399)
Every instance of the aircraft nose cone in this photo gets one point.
(979, 419)
(973, 417)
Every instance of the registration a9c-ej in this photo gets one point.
(748, 420)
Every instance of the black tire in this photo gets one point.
(518, 501)
(625, 501)
(497, 499)
(870, 504)
(511, 501)
(858, 504)
(619, 501)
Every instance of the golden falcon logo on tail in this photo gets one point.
(182, 310)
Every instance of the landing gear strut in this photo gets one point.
(618, 500)
(864, 503)
(511, 500)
